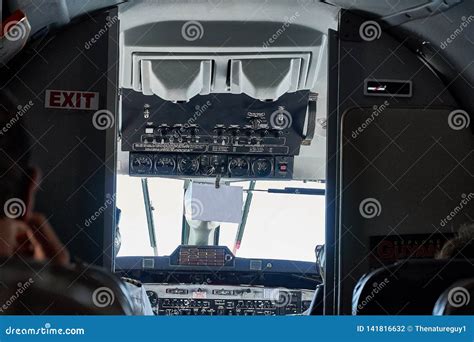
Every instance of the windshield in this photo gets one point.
(279, 225)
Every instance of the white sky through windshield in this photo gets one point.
(279, 226)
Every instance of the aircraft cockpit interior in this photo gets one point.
(221, 163)
(237, 158)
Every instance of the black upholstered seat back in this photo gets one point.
(407, 287)
(458, 299)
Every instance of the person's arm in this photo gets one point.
(141, 303)
(34, 239)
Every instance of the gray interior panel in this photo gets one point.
(381, 189)
(77, 161)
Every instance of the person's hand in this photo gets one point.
(16, 238)
(32, 239)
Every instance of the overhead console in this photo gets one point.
(198, 104)
(230, 135)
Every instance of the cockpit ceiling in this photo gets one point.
(142, 12)
(392, 7)
(262, 49)
(377, 7)
(60, 12)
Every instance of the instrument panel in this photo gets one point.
(230, 135)
(220, 300)
(210, 165)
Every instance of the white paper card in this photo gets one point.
(208, 203)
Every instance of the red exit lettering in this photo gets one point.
(66, 99)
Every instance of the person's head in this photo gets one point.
(461, 246)
(117, 237)
(17, 179)
(321, 260)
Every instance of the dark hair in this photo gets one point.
(461, 246)
(14, 150)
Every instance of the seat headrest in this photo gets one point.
(458, 299)
(32, 288)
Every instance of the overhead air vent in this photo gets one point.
(176, 80)
(265, 78)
